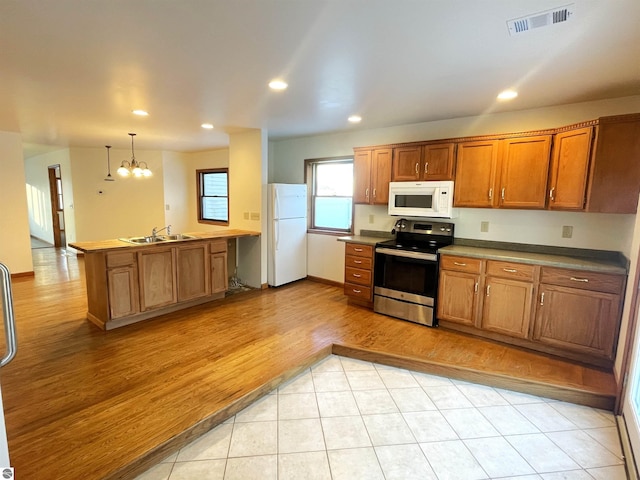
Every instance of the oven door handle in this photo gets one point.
(407, 254)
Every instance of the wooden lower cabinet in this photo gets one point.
(219, 271)
(570, 313)
(507, 307)
(122, 283)
(157, 268)
(358, 272)
(579, 320)
(458, 292)
(192, 271)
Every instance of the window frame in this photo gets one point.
(200, 187)
(309, 179)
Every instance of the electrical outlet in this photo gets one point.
(484, 227)
(372, 218)
(255, 215)
(167, 207)
(246, 215)
(567, 231)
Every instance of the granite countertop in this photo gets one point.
(115, 244)
(597, 261)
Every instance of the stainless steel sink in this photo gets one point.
(178, 236)
(157, 238)
(143, 240)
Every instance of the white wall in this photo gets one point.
(123, 208)
(15, 247)
(39, 195)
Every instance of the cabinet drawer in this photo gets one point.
(358, 262)
(357, 275)
(359, 250)
(119, 259)
(516, 271)
(461, 264)
(218, 246)
(601, 282)
(357, 291)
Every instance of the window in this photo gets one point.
(213, 196)
(330, 182)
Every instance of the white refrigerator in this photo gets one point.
(287, 233)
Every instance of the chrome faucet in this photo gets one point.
(155, 231)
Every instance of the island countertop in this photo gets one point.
(114, 244)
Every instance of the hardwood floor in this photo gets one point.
(82, 403)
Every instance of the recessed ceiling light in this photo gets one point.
(507, 95)
(278, 85)
(140, 113)
(355, 119)
(207, 126)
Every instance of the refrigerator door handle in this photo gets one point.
(9, 317)
(276, 204)
(276, 229)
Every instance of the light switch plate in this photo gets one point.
(484, 227)
(567, 231)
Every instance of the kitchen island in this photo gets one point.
(128, 281)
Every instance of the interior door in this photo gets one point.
(57, 206)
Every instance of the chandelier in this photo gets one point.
(133, 167)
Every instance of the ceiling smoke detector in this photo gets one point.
(542, 19)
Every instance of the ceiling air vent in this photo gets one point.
(542, 19)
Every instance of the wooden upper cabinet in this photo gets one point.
(438, 161)
(476, 166)
(361, 175)
(524, 172)
(570, 169)
(371, 175)
(407, 163)
(423, 162)
(614, 182)
(380, 175)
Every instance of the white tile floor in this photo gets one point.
(349, 419)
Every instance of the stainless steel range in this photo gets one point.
(406, 270)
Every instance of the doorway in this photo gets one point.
(57, 206)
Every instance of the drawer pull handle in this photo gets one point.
(460, 264)
(542, 299)
(357, 261)
(585, 280)
(355, 290)
(510, 270)
(357, 249)
(357, 275)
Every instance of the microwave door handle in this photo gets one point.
(435, 200)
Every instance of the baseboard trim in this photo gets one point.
(23, 274)
(627, 451)
(325, 281)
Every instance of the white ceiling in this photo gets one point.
(71, 71)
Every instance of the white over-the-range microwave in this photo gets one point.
(421, 199)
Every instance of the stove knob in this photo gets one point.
(442, 229)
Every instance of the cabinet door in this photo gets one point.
(361, 176)
(122, 283)
(507, 306)
(569, 169)
(438, 161)
(615, 174)
(525, 170)
(157, 278)
(192, 270)
(219, 275)
(476, 174)
(578, 320)
(380, 175)
(407, 163)
(458, 297)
